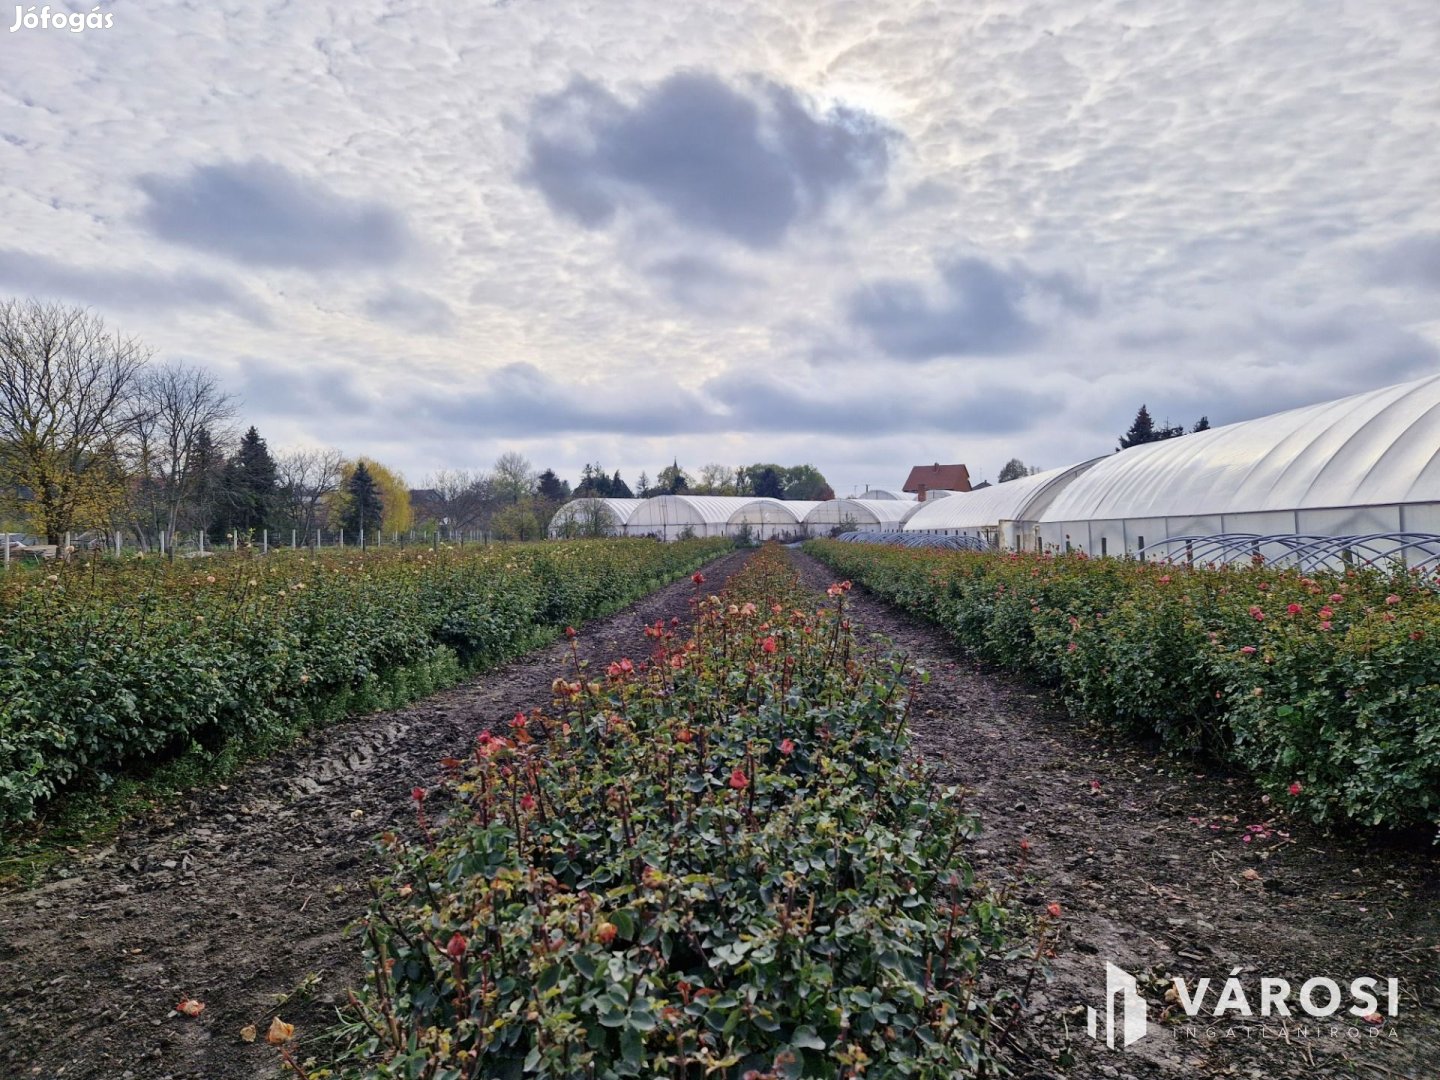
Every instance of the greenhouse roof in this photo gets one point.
(987, 507)
(1377, 448)
(864, 511)
(622, 509)
(772, 512)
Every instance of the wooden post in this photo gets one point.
(265, 541)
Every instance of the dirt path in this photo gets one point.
(244, 896)
(1122, 838)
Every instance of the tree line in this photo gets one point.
(98, 440)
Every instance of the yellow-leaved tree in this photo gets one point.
(397, 515)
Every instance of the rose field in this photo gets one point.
(106, 664)
(1325, 688)
(624, 809)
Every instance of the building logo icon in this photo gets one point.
(1119, 983)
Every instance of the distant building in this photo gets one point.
(937, 477)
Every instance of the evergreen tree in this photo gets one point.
(619, 489)
(1203, 424)
(768, 485)
(207, 463)
(1144, 430)
(672, 480)
(252, 494)
(642, 485)
(1141, 431)
(364, 507)
(551, 487)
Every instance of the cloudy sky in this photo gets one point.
(860, 234)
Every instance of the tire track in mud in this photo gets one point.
(241, 896)
(1121, 837)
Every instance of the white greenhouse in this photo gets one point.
(593, 517)
(858, 515)
(875, 494)
(771, 519)
(670, 517)
(1360, 465)
(1002, 515)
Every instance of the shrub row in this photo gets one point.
(1326, 687)
(107, 664)
(717, 861)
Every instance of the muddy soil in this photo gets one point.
(1147, 858)
(240, 898)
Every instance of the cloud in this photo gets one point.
(412, 310)
(700, 284)
(978, 309)
(260, 213)
(42, 277)
(761, 403)
(745, 163)
(1413, 261)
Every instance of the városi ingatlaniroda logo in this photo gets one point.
(1125, 1010)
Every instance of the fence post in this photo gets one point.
(234, 539)
(265, 541)
(7, 550)
(342, 536)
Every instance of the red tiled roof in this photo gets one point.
(938, 477)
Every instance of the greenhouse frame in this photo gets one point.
(593, 517)
(1359, 466)
(858, 515)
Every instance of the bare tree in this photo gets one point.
(67, 387)
(716, 479)
(459, 499)
(307, 478)
(180, 407)
(513, 477)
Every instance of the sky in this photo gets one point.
(863, 235)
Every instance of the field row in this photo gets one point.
(715, 859)
(107, 665)
(1325, 687)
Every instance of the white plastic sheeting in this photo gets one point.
(874, 494)
(859, 515)
(771, 519)
(668, 517)
(1003, 514)
(593, 517)
(1363, 464)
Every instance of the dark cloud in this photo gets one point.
(744, 163)
(1413, 261)
(260, 213)
(760, 403)
(412, 310)
(980, 309)
(519, 400)
(44, 277)
(304, 391)
(700, 284)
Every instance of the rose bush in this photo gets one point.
(1331, 681)
(107, 664)
(720, 860)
